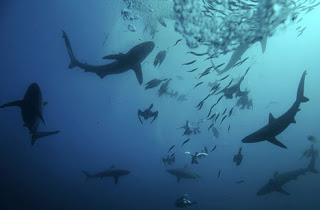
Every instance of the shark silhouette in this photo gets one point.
(184, 173)
(278, 180)
(278, 125)
(31, 110)
(124, 62)
(110, 172)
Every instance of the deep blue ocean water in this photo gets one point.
(99, 124)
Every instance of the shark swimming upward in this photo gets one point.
(124, 62)
(278, 125)
(31, 110)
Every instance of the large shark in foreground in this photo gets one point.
(275, 184)
(184, 173)
(277, 125)
(124, 62)
(111, 172)
(31, 110)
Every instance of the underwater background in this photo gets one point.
(99, 123)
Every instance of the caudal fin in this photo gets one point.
(73, 61)
(39, 135)
(300, 93)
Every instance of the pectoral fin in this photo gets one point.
(276, 142)
(280, 190)
(138, 71)
(116, 178)
(14, 103)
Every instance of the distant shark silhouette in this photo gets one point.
(278, 125)
(124, 62)
(111, 172)
(279, 180)
(184, 173)
(237, 53)
(31, 110)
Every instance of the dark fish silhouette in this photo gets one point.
(214, 148)
(124, 62)
(159, 58)
(171, 148)
(193, 70)
(278, 125)
(179, 40)
(189, 63)
(31, 110)
(111, 172)
(185, 142)
(197, 85)
(153, 83)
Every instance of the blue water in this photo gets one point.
(99, 125)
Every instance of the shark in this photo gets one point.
(124, 62)
(110, 172)
(275, 184)
(184, 173)
(240, 50)
(31, 110)
(278, 125)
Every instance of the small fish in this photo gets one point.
(171, 155)
(214, 148)
(224, 77)
(224, 111)
(179, 40)
(223, 119)
(240, 62)
(229, 128)
(193, 70)
(200, 105)
(219, 173)
(239, 182)
(230, 112)
(219, 66)
(197, 85)
(210, 126)
(197, 54)
(247, 71)
(185, 142)
(171, 148)
(189, 63)
(229, 84)
(212, 116)
(217, 117)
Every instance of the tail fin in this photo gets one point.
(87, 175)
(73, 61)
(39, 135)
(300, 93)
(311, 166)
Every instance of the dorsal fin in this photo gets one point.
(271, 118)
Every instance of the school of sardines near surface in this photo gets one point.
(222, 86)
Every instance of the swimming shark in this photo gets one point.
(278, 125)
(278, 180)
(241, 49)
(184, 173)
(124, 62)
(110, 172)
(31, 110)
